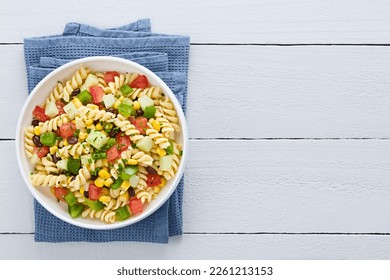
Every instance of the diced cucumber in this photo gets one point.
(51, 109)
(94, 204)
(166, 163)
(97, 139)
(117, 184)
(126, 110)
(109, 100)
(127, 101)
(122, 213)
(34, 159)
(75, 210)
(85, 97)
(91, 80)
(134, 181)
(62, 164)
(128, 172)
(86, 159)
(145, 101)
(145, 144)
(74, 165)
(71, 110)
(70, 199)
(126, 89)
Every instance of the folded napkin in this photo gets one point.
(167, 56)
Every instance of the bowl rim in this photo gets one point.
(19, 139)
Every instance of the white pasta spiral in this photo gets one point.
(55, 94)
(152, 92)
(142, 158)
(128, 128)
(28, 143)
(53, 124)
(73, 150)
(89, 112)
(144, 196)
(49, 165)
(107, 216)
(81, 178)
(157, 137)
(119, 81)
(114, 204)
(168, 110)
(42, 180)
(75, 82)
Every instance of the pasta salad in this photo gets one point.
(104, 142)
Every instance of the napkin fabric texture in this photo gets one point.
(167, 56)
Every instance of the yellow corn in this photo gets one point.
(108, 182)
(76, 102)
(156, 125)
(91, 127)
(163, 182)
(37, 130)
(53, 150)
(98, 126)
(82, 190)
(89, 122)
(105, 191)
(66, 142)
(83, 135)
(156, 190)
(161, 152)
(132, 162)
(121, 98)
(124, 196)
(104, 174)
(136, 105)
(99, 182)
(125, 185)
(104, 198)
(116, 104)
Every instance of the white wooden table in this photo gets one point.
(289, 117)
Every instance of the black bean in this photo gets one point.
(131, 192)
(94, 177)
(151, 170)
(86, 194)
(55, 158)
(140, 113)
(113, 133)
(35, 122)
(72, 140)
(96, 122)
(75, 92)
(37, 141)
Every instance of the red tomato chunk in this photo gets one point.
(67, 129)
(135, 206)
(141, 124)
(109, 76)
(94, 192)
(140, 82)
(39, 113)
(97, 94)
(60, 107)
(122, 141)
(41, 151)
(153, 180)
(59, 193)
(113, 153)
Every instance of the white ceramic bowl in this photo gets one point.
(37, 97)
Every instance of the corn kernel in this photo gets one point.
(76, 102)
(66, 142)
(82, 190)
(104, 198)
(104, 174)
(116, 104)
(37, 130)
(132, 161)
(83, 135)
(156, 125)
(98, 126)
(53, 150)
(161, 152)
(108, 182)
(105, 168)
(121, 98)
(125, 185)
(99, 182)
(124, 196)
(156, 190)
(163, 182)
(91, 127)
(89, 122)
(136, 105)
(105, 191)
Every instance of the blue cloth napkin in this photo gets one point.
(167, 56)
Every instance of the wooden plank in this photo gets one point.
(203, 246)
(274, 92)
(241, 21)
(261, 186)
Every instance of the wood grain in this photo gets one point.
(206, 247)
(262, 186)
(274, 92)
(240, 21)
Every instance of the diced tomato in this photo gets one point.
(41, 151)
(132, 119)
(60, 107)
(113, 153)
(59, 193)
(123, 141)
(94, 192)
(153, 180)
(97, 94)
(109, 76)
(136, 205)
(67, 129)
(140, 82)
(141, 124)
(39, 113)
